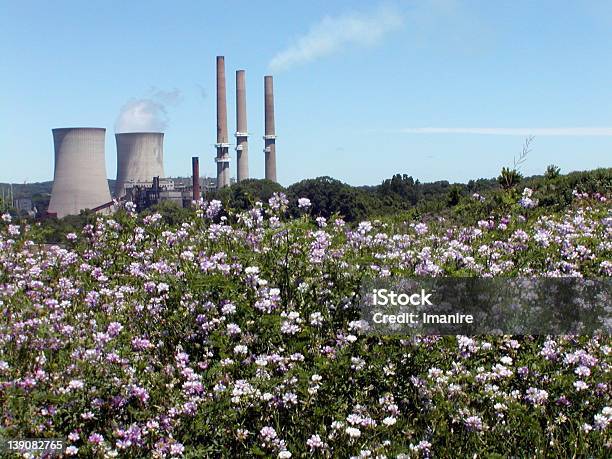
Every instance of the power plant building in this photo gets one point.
(79, 179)
(140, 157)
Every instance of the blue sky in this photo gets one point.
(438, 89)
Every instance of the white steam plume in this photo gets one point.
(147, 114)
(331, 35)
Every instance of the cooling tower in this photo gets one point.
(222, 145)
(79, 180)
(242, 144)
(140, 157)
(270, 132)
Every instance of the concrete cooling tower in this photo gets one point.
(79, 180)
(140, 157)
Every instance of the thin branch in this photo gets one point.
(523, 156)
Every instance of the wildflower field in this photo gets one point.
(236, 334)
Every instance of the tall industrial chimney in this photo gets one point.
(195, 177)
(140, 157)
(79, 180)
(270, 133)
(242, 144)
(222, 159)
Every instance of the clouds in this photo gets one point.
(148, 114)
(333, 34)
(523, 132)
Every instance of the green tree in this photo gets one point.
(552, 172)
(328, 196)
(171, 212)
(244, 194)
(454, 196)
(509, 178)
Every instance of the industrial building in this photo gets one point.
(80, 169)
(145, 196)
(24, 205)
(79, 179)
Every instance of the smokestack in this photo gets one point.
(270, 133)
(223, 178)
(242, 144)
(79, 180)
(140, 157)
(195, 177)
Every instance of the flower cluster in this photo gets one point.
(237, 334)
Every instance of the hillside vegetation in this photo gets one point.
(231, 332)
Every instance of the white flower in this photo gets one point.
(420, 228)
(219, 387)
(389, 421)
(580, 385)
(177, 449)
(582, 371)
(303, 203)
(268, 433)
(228, 308)
(315, 442)
(75, 384)
(316, 319)
(473, 423)
(241, 349)
(353, 432)
(601, 421)
(337, 425)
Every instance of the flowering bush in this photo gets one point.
(526, 201)
(236, 334)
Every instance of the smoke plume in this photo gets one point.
(332, 34)
(148, 114)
